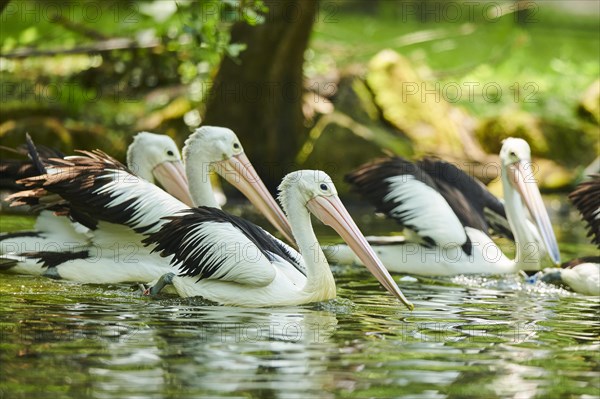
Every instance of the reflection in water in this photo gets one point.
(460, 341)
(170, 346)
(278, 352)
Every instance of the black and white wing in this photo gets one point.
(405, 193)
(95, 186)
(586, 198)
(208, 243)
(470, 199)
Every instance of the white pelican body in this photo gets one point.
(155, 157)
(230, 261)
(248, 277)
(412, 258)
(114, 255)
(583, 278)
(129, 206)
(50, 233)
(449, 217)
(582, 275)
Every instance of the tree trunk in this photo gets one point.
(525, 12)
(3, 4)
(259, 96)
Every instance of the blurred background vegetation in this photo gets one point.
(309, 84)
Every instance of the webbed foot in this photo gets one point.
(164, 280)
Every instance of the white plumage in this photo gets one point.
(130, 206)
(583, 274)
(447, 245)
(50, 233)
(211, 251)
(421, 205)
(583, 278)
(153, 156)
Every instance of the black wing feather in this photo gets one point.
(578, 261)
(470, 199)
(34, 155)
(53, 259)
(369, 180)
(73, 184)
(586, 198)
(172, 236)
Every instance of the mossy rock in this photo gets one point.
(411, 105)
(512, 123)
(571, 146)
(356, 125)
(589, 105)
(337, 164)
(551, 176)
(354, 98)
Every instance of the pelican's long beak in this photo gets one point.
(521, 178)
(331, 211)
(171, 175)
(238, 171)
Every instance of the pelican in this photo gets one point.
(154, 157)
(97, 184)
(230, 261)
(448, 218)
(582, 274)
(221, 257)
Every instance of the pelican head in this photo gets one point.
(156, 156)
(521, 190)
(219, 149)
(304, 185)
(514, 150)
(315, 190)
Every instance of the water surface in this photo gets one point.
(468, 337)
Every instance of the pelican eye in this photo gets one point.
(324, 187)
(170, 153)
(236, 146)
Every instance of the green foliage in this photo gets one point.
(165, 55)
(516, 79)
(542, 67)
(208, 23)
(159, 83)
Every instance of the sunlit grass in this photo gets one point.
(556, 56)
